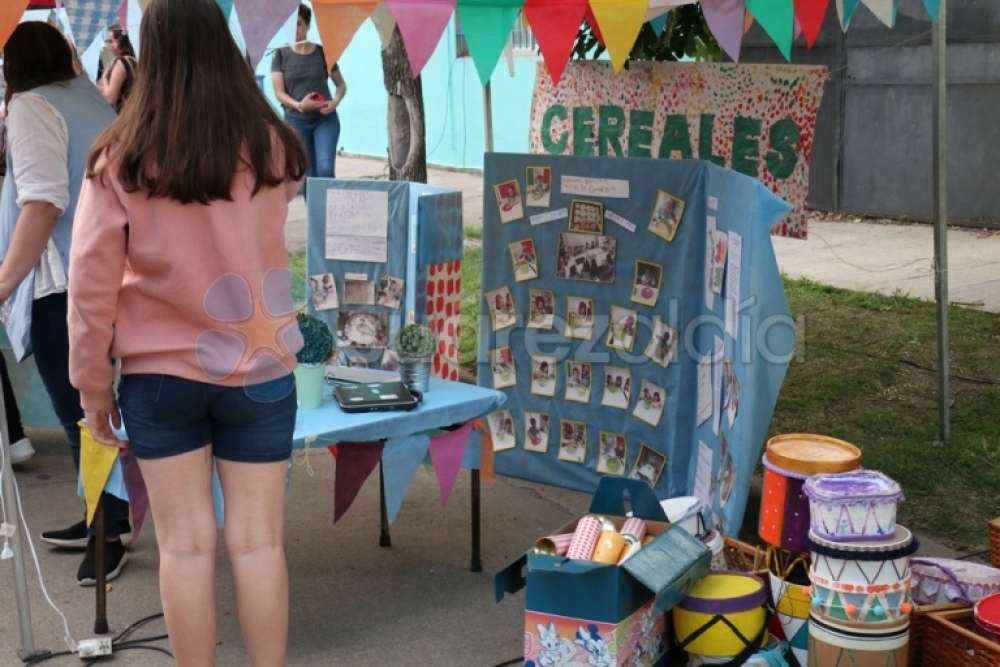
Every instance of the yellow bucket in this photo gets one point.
(722, 615)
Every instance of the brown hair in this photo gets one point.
(36, 54)
(196, 115)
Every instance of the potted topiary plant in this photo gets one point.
(415, 346)
(311, 370)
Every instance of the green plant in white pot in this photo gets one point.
(311, 370)
(415, 346)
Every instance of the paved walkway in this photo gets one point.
(858, 255)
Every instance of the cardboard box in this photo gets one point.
(579, 611)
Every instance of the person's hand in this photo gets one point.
(328, 107)
(102, 418)
(311, 103)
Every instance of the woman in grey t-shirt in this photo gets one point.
(301, 86)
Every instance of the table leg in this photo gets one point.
(384, 539)
(477, 563)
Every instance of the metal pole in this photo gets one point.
(939, 45)
(28, 650)
(488, 117)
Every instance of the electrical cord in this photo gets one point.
(513, 661)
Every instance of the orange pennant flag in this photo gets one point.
(338, 21)
(748, 21)
(11, 12)
(485, 451)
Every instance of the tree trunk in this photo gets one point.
(407, 145)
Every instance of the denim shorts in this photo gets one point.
(165, 415)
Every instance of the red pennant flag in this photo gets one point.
(810, 14)
(138, 498)
(355, 463)
(333, 451)
(447, 451)
(555, 24)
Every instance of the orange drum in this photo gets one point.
(788, 462)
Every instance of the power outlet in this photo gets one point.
(92, 648)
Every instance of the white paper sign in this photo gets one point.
(735, 264)
(704, 389)
(594, 187)
(357, 225)
(542, 218)
(709, 250)
(717, 385)
(713, 203)
(618, 220)
(703, 475)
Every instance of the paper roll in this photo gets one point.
(588, 530)
(635, 527)
(630, 549)
(609, 547)
(554, 545)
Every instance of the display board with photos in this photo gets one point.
(377, 254)
(633, 313)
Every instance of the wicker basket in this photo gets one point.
(950, 640)
(918, 621)
(743, 557)
(994, 527)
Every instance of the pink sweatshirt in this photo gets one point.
(198, 292)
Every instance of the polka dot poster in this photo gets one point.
(443, 290)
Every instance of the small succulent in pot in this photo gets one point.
(415, 341)
(318, 338)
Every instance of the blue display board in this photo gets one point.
(606, 285)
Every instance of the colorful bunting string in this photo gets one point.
(845, 10)
(725, 18)
(554, 23)
(260, 22)
(338, 21)
(10, 14)
(776, 17)
(90, 18)
(810, 14)
(421, 23)
(401, 459)
(355, 462)
(447, 451)
(487, 25)
(138, 497)
(884, 10)
(620, 22)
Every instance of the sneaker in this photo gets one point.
(74, 537)
(21, 451)
(114, 559)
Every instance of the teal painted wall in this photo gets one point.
(453, 102)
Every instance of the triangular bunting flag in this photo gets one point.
(421, 23)
(555, 24)
(401, 459)
(777, 18)
(96, 462)
(657, 9)
(845, 10)
(333, 451)
(884, 10)
(10, 14)
(138, 498)
(385, 23)
(227, 7)
(658, 23)
(260, 22)
(810, 14)
(355, 463)
(485, 451)
(447, 451)
(620, 22)
(123, 15)
(592, 22)
(725, 18)
(747, 21)
(933, 8)
(487, 25)
(338, 21)
(218, 499)
(90, 18)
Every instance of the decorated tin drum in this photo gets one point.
(857, 505)
(788, 576)
(987, 614)
(788, 462)
(722, 615)
(846, 644)
(863, 581)
(940, 580)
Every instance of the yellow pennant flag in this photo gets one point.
(11, 12)
(619, 22)
(338, 21)
(96, 462)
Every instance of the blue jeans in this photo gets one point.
(319, 136)
(50, 341)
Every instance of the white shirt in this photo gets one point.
(39, 146)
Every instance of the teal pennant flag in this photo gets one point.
(933, 8)
(487, 25)
(777, 18)
(227, 7)
(846, 9)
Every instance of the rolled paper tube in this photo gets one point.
(635, 527)
(606, 523)
(629, 550)
(609, 547)
(581, 547)
(649, 538)
(554, 545)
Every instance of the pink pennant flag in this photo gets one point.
(355, 462)
(725, 19)
(138, 498)
(421, 22)
(447, 451)
(123, 15)
(260, 22)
